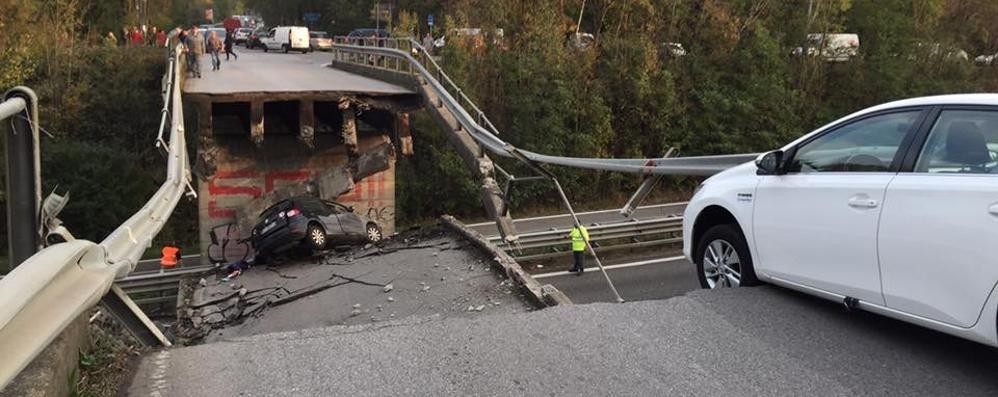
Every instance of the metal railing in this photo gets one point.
(559, 236)
(399, 55)
(58, 284)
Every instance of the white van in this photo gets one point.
(286, 38)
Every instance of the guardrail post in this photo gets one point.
(23, 179)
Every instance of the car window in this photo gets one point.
(312, 206)
(868, 145)
(279, 206)
(337, 208)
(961, 142)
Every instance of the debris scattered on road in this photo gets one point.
(391, 277)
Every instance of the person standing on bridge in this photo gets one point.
(230, 39)
(195, 49)
(214, 46)
(580, 237)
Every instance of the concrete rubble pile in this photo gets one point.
(420, 273)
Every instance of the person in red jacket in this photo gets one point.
(160, 38)
(136, 37)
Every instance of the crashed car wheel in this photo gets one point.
(316, 237)
(373, 233)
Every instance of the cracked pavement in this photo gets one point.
(430, 273)
(762, 341)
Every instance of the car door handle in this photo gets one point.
(993, 209)
(862, 202)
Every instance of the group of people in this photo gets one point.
(197, 44)
(136, 37)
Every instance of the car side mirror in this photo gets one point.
(350, 209)
(770, 163)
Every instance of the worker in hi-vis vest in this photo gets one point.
(579, 236)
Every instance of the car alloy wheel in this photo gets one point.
(373, 233)
(721, 266)
(316, 237)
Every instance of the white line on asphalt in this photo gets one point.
(611, 267)
(580, 214)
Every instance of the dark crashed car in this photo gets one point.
(312, 223)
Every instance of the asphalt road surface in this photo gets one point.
(659, 279)
(541, 223)
(256, 71)
(762, 341)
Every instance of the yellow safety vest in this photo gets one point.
(579, 238)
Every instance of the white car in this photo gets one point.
(832, 47)
(320, 41)
(893, 210)
(286, 38)
(242, 34)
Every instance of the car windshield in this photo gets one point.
(319, 35)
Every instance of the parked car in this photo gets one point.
(320, 41)
(893, 210)
(832, 47)
(580, 41)
(985, 60)
(253, 40)
(309, 221)
(674, 50)
(242, 34)
(286, 38)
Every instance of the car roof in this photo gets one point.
(934, 100)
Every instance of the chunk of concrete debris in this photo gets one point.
(242, 292)
(388, 288)
(390, 299)
(355, 313)
(471, 308)
(479, 308)
(202, 282)
(425, 288)
(356, 305)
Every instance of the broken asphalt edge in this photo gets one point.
(546, 295)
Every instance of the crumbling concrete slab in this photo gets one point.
(422, 273)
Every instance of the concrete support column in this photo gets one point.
(256, 122)
(349, 128)
(306, 121)
(204, 118)
(207, 150)
(405, 134)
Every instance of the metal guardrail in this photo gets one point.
(399, 55)
(52, 288)
(558, 236)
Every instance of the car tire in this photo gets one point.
(315, 237)
(725, 244)
(374, 233)
(286, 49)
(264, 48)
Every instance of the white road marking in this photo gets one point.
(612, 267)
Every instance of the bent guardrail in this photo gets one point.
(56, 285)
(396, 55)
